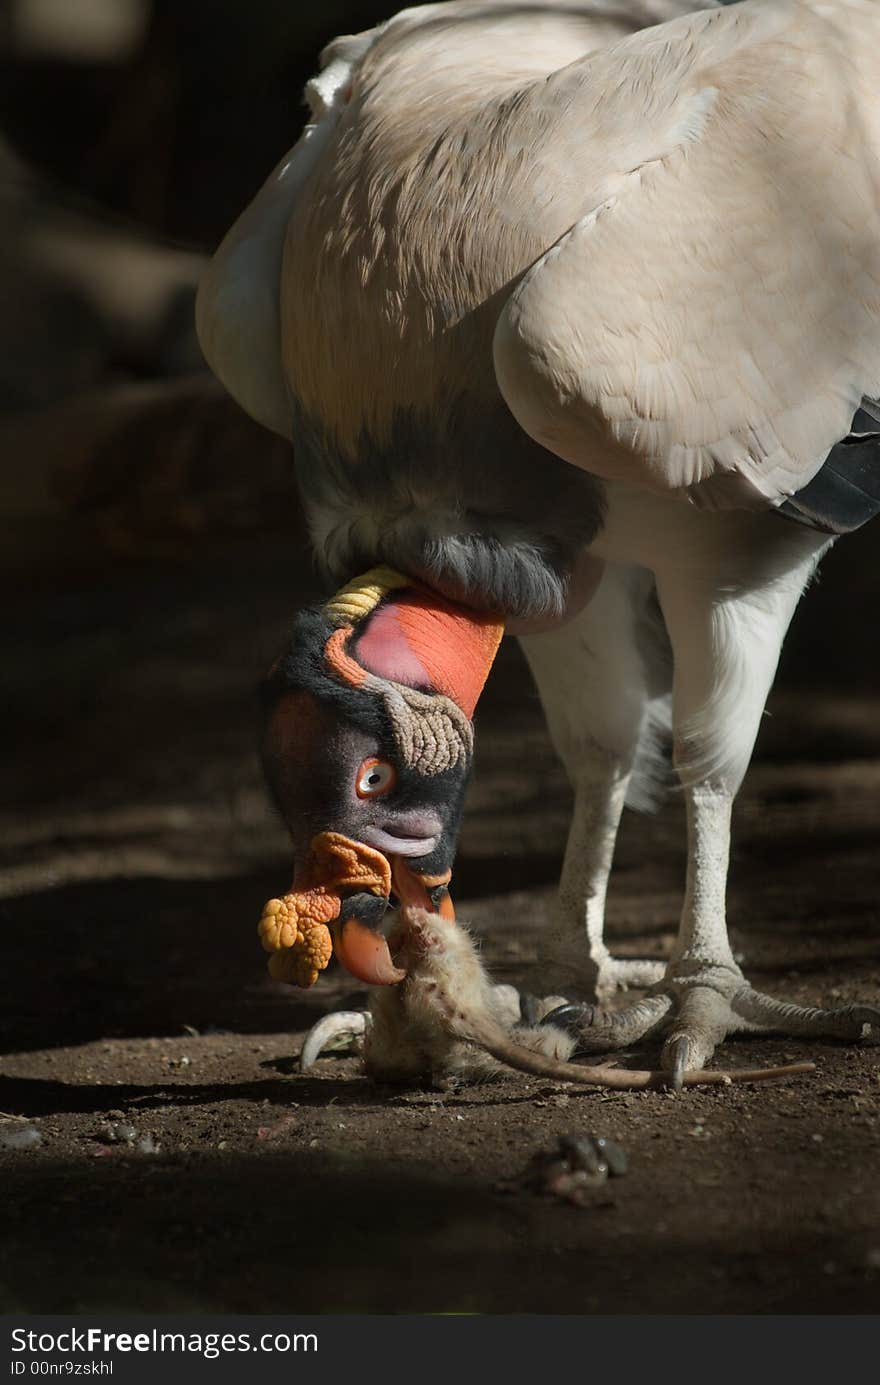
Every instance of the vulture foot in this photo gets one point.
(695, 1018)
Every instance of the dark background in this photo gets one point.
(152, 556)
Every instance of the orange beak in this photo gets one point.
(342, 875)
(429, 892)
(363, 951)
(365, 954)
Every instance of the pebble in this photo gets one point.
(117, 1133)
(22, 1137)
(577, 1166)
(615, 1156)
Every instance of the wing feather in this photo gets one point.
(712, 325)
(238, 315)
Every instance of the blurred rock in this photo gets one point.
(80, 31)
(83, 299)
(20, 1137)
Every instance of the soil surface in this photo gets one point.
(137, 850)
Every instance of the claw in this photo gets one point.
(599, 1030)
(573, 1019)
(678, 1050)
(329, 1032)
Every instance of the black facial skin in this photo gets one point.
(318, 732)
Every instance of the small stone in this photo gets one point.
(117, 1133)
(147, 1145)
(22, 1137)
(582, 1153)
(544, 1173)
(615, 1156)
(817, 1139)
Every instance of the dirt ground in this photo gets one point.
(137, 850)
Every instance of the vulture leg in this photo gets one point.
(726, 635)
(598, 683)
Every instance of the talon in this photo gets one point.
(328, 1033)
(679, 1050)
(574, 1019)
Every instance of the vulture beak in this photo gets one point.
(429, 892)
(358, 941)
(363, 951)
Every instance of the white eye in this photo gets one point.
(375, 777)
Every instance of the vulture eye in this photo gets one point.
(375, 777)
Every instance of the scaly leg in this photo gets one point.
(726, 637)
(598, 684)
(600, 794)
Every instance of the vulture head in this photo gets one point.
(367, 746)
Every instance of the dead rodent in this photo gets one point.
(445, 1019)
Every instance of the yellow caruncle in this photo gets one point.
(294, 928)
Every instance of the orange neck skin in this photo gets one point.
(417, 637)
